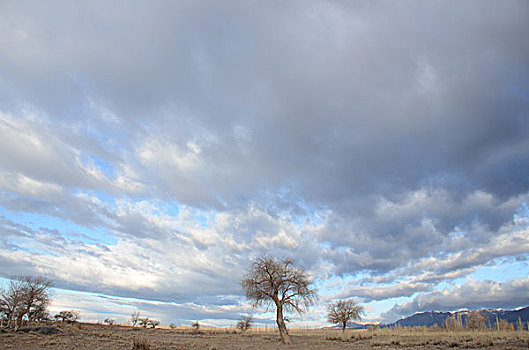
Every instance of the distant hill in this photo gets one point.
(432, 318)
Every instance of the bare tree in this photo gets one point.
(68, 316)
(36, 296)
(144, 321)
(134, 317)
(154, 323)
(11, 301)
(344, 311)
(245, 322)
(25, 297)
(475, 320)
(196, 327)
(278, 282)
(453, 322)
(42, 315)
(109, 321)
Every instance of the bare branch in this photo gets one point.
(271, 281)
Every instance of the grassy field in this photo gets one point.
(92, 336)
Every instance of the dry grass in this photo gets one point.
(92, 336)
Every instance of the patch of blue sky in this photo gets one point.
(204, 220)
(334, 285)
(509, 269)
(203, 217)
(102, 165)
(5, 212)
(377, 307)
(523, 211)
(502, 270)
(447, 284)
(325, 245)
(66, 228)
(172, 208)
(314, 218)
(29, 247)
(104, 197)
(89, 131)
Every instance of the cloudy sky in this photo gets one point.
(149, 150)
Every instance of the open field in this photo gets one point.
(91, 336)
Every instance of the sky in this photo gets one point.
(149, 150)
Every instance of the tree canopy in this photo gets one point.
(278, 282)
(344, 311)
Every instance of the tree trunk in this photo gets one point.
(344, 326)
(10, 320)
(285, 337)
(18, 322)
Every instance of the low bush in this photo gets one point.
(141, 344)
(41, 330)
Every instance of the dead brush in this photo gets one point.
(333, 338)
(141, 344)
(359, 337)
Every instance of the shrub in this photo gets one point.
(475, 320)
(153, 323)
(245, 323)
(144, 321)
(141, 344)
(41, 330)
(504, 325)
(68, 316)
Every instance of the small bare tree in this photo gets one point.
(245, 322)
(144, 321)
(344, 311)
(154, 323)
(109, 321)
(475, 320)
(278, 282)
(68, 316)
(134, 317)
(196, 327)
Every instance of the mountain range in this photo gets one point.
(432, 318)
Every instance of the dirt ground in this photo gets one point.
(90, 336)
